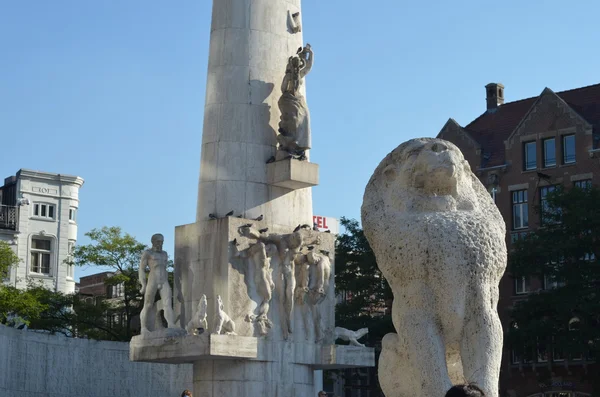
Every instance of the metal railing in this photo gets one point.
(8, 217)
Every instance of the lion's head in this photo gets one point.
(424, 174)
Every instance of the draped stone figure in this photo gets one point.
(294, 125)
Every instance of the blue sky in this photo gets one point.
(113, 91)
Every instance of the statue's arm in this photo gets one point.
(142, 272)
(284, 83)
(309, 58)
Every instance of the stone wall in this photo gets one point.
(42, 365)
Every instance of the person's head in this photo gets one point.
(157, 243)
(186, 393)
(322, 394)
(466, 390)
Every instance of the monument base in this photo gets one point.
(192, 348)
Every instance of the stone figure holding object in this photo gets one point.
(439, 240)
(294, 125)
(156, 260)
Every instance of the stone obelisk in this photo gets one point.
(251, 268)
(250, 43)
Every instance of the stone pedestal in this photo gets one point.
(232, 365)
(293, 174)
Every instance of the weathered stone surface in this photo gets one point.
(439, 241)
(44, 365)
(293, 174)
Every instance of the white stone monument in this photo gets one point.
(439, 241)
(253, 280)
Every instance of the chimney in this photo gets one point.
(494, 95)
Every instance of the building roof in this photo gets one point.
(493, 127)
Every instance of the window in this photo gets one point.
(557, 352)
(73, 214)
(520, 214)
(568, 149)
(542, 353)
(41, 249)
(546, 212)
(549, 152)
(551, 283)
(43, 210)
(521, 285)
(514, 237)
(583, 184)
(529, 156)
(115, 291)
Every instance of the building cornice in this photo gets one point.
(49, 176)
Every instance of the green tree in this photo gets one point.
(8, 259)
(359, 281)
(111, 247)
(564, 317)
(366, 295)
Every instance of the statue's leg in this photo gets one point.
(167, 298)
(414, 363)
(481, 347)
(145, 314)
(219, 325)
(289, 299)
(280, 282)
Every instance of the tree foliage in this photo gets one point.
(8, 259)
(111, 247)
(564, 316)
(360, 282)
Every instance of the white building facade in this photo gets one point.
(38, 217)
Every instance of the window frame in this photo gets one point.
(73, 214)
(583, 184)
(41, 210)
(545, 152)
(520, 199)
(39, 254)
(526, 161)
(564, 149)
(525, 285)
(544, 191)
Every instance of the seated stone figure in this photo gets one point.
(439, 240)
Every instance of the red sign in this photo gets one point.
(320, 221)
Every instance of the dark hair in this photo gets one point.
(186, 393)
(470, 390)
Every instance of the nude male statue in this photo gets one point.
(155, 259)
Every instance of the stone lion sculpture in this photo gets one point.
(439, 241)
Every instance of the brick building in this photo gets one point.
(520, 150)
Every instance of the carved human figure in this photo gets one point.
(294, 125)
(351, 336)
(156, 260)
(261, 255)
(223, 323)
(198, 321)
(320, 274)
(302, 278)
(439, 240)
